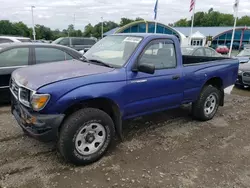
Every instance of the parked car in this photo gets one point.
(244, 69)
(244, 56)
(82, 105)
(199, 51)
(17, 55)
(222, 49)
(7, 39)
(78, 43)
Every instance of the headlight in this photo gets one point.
(240, 71)
(39, 101)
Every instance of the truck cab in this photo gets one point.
(82, 104)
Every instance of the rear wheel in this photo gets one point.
(85, 136)
(207, 104)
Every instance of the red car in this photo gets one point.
(222, 49)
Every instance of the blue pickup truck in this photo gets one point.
(82, 104)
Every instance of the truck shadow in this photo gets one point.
(139, 125)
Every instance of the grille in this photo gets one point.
(20, 93)
(14, 88)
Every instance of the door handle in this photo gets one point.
(175, 77)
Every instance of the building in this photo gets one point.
(148, 27)
(217, 35)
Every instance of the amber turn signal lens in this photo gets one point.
(39, 101)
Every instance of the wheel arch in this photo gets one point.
(216, 82)
(105, 104)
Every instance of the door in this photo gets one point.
(11, 60)
(46, 55)
(161, 90)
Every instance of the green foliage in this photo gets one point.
(42, 32)
(96, 31)
(8, 28)
(181, 23)
(212, 19)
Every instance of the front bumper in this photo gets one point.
(242, 81)
(39, 126)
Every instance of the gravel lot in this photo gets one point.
(167, 149)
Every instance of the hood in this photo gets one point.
(242, 58)
(244, 67)
(35, 76)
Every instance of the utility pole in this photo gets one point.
(33, 26)
(102, 26)
(74, 20)
(236, 5)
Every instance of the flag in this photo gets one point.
(236, 5)
(156, 9)
(192, 3)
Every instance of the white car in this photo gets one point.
(8, 39)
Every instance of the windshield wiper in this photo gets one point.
(100, 62)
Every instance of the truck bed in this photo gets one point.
(192, 60)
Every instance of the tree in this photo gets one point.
(210, 10)
(125, 21)
(212, 18)
(181, 23)
(139, 19)
(244, 21)
(88, 31)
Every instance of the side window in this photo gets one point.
(44, 55)
(64, 41)
(199, 52)
(77, 41)
(89, 41)
(161, 54)
(208, 52)
(2, 40)
(14, 57)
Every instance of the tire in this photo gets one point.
(78, 131)
(201, 109)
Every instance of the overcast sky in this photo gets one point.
(60, 13)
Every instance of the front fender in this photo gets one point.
(111, 90)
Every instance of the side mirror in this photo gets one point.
(146, 68)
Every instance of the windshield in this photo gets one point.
(114, 50)
(187, 51)
(245, 53)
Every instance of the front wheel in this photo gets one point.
(207, 104)
(85, 136)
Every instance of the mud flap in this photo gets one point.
(118, 128)
(222, 98)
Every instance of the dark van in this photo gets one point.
(78, 43)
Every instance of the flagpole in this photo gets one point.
(155, 25)
(156, 12)
(235, 21)
(192, 24)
